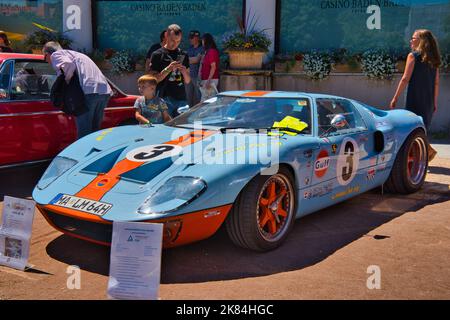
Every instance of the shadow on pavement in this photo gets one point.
(312, 240)
(19, 182)
(439, 170)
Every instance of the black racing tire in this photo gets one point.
(410, 166)
(244, 221)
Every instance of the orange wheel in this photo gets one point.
(274, 207)
(264, 212)
(410, 166)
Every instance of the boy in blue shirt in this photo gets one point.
(150, 108)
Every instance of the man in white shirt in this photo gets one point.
(92, 81)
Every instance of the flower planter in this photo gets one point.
(139, 67)
(346, 68)
(400, 66)
(246, 60)
(104, 65)
(289, 66)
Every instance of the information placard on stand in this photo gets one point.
(135, 269)
(15, 232)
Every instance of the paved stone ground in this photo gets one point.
(325, 257)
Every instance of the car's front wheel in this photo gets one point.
(264, 212)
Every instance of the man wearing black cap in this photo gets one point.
(195, 52)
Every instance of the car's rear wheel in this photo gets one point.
(410, 166)
(264, 212)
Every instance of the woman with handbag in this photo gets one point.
(209, 70)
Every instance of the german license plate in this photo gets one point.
(85, 205)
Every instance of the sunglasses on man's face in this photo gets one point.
(177, 32)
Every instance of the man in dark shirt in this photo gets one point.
(171, 67)
(195, 52)
(153, 48)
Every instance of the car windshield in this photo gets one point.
(244, 112)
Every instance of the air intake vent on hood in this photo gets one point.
(147, 172)
(104, 164)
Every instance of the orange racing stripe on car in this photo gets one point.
(255, 94)
(103, 183)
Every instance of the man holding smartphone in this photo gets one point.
(170, 65)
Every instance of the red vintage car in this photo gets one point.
(31, 129)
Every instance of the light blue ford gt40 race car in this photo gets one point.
(251, 160)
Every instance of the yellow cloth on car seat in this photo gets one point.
(292, 123)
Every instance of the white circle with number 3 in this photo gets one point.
(154, 152)
(347, 162)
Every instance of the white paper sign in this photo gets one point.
(135, 268)
(15, 232)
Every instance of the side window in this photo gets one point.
(327, 109)
(5, 75)
(297, 108)
(32, 80)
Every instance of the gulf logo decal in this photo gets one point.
(321, 164)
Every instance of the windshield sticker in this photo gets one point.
(245, 100)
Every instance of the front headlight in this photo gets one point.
(175, 193)
(58, 166)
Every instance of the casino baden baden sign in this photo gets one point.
(170, 8)
(137, 24)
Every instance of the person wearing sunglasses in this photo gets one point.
(421, 78)
(170, 65)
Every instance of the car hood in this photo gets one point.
(141, 156)
(125, 165)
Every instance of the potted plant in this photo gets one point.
(400, 62)
(345, 62)
(378, 64)
(317, 64)
(36, 40)
(122, 62)
(289, 63)
(247, 46)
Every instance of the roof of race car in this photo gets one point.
(276, 94)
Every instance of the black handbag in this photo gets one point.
(68, 97)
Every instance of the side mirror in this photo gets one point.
(339, 122)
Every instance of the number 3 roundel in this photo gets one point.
(154, 152)
(348, 161)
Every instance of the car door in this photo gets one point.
(31, 129)
(341, 156)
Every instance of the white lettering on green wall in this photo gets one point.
(374, 21)
(73, 21)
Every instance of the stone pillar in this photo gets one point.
(265, 11)
(77, 24)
